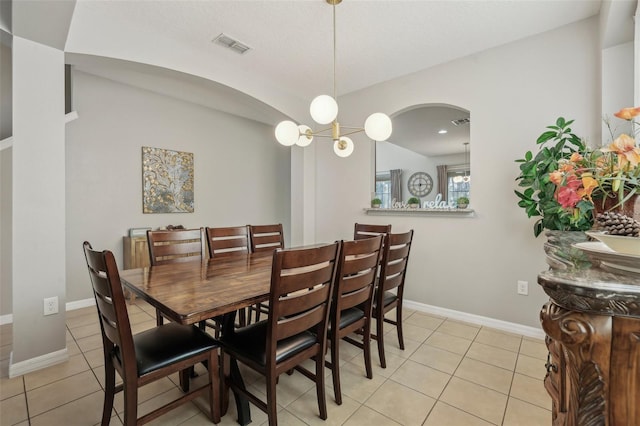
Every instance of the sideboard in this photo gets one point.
(592, 323)
(135, 252)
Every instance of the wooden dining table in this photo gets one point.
(190, 292)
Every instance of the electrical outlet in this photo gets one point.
(523, 287)
(50, 305)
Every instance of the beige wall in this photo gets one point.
(513, 92)
(241, 174)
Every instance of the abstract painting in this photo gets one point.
(167, 179)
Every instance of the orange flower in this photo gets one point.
(556, 177)
(628, 113)
(625, 147)
(589, 184)
(576, 157)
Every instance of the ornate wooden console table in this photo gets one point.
(592, 322)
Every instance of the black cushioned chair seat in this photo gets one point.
(167, 344)
(386, 299)
(349, 316)
(251, 342)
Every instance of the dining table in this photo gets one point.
(193, 291)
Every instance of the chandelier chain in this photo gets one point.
(335, 94)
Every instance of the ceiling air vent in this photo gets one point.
(228, 42)
(461, 121)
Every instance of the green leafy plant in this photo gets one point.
(557, 144)
(376, 202)
(413, 200)
(462, 200)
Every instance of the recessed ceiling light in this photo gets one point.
(442, 132)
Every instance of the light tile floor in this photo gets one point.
(450, 374)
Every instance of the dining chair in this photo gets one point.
(149, 355)
(295, 330)
(228, 241)
(390, 287)
(362, 230)
(352, 302)
(184, 245)
(264, 238)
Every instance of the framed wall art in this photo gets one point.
(167, 181)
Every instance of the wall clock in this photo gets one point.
(420, 184)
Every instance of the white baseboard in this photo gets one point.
(509, 327)
(37, 363)
(69, 306)
(79, 304)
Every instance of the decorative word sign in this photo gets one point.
(399, 204)
(439, 203)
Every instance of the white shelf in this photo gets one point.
(421, 212)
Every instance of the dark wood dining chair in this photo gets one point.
(147, 356)
(363, 230)
(228, 241)
(296, 329)
(390, 287)
(183, 245)
(353, 302)
(264, 238)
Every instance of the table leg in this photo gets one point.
(242, 404)
(231, 372)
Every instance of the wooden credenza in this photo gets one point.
(592, 323)
(135, 252)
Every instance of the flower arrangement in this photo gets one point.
(538, 198)
(608, 177)
(567, 181)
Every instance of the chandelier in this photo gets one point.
(324, 110)
(467, 166)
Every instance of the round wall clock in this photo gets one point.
(420, 184)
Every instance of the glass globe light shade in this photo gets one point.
(343, 147)
(466, 179)
(457, 179)
(287, 133)
(378, 126)
(304, 139)
(323, 109)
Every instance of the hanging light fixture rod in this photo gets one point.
(324, 110)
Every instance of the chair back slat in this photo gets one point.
(395, 267)
(112, 310)
(394, 263)
(228, 240)
(290, 326)
(266, 237)
(399, 252)
(291, 283)
(363, 230)
(176, 246)
(302, 300)
(301, 287)
(360, 263)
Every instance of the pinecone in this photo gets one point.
(618, 224)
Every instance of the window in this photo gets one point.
(458, 182)
(383, 188)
